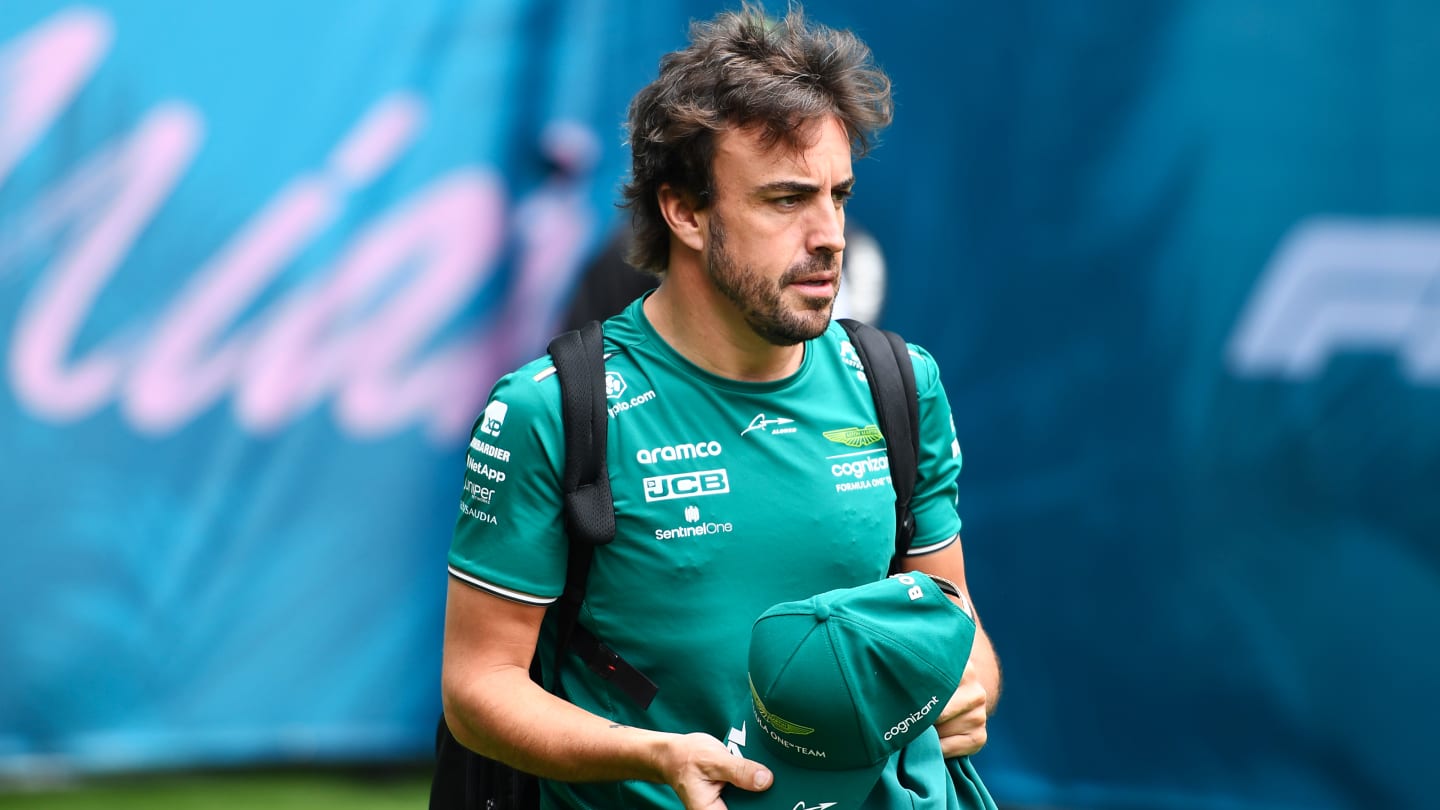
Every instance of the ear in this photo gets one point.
(681, 214)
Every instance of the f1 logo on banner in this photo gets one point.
(1340, 285)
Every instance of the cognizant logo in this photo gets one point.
(914, 717)
(859, 468)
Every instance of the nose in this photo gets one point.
(827, 231)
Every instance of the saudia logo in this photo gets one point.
(855, 436)
(678, 452)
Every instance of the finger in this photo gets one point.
(965, 700)
(963, 745)
(748, 774)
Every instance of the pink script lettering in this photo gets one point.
(361, 333)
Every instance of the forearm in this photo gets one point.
(504, 715)
(987, 667)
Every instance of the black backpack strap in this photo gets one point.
(891, 376)
(589, 507)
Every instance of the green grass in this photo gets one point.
(358, 789)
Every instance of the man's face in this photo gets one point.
(775, 232)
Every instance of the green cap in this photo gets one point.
(841, 681)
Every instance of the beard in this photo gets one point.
(761, 301)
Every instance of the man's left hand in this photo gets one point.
(962, 722)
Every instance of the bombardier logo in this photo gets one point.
(678, 452)
(686, 485)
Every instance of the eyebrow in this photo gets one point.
(802, 187)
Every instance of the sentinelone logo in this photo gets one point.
(1339, 285)
(696, 527)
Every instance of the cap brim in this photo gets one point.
(795, 786)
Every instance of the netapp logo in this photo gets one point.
(484, 470)
(678, 452)
(686, 485)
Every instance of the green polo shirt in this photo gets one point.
(729, 497)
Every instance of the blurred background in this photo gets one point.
(260, 263)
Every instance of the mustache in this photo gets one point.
(822, 262)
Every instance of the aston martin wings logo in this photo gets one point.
(855, 437)
(780, 724)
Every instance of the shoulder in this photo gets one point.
(529, 395)
(927, 371)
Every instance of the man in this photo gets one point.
(742, 469)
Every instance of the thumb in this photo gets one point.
(750, 775)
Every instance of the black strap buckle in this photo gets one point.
(610, 667)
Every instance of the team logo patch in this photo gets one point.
(780, 724)
(855, 436)
(494, 418)
(773, 425)
(687, 485)
(614, 385)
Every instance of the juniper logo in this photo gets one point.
(855, 436)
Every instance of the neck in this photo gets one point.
(701, 324)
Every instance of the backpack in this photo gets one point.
(464, 780)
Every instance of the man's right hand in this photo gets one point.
(698, 767)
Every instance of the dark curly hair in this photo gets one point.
(741, 69)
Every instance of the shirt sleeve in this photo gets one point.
(936, 488)
(509, 535)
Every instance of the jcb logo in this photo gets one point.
(686, 485)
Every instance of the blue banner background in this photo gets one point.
(1178, 262)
